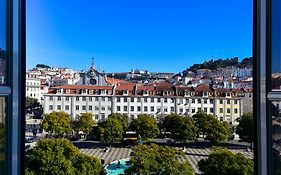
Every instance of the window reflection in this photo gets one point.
(276, 45)
(3, 53)
(2, 133)
(276, 137)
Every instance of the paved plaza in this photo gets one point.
(193, 155)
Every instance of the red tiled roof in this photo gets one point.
(83, 87)
(114, 81)
(202, 88)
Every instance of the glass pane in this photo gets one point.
(3, 52)
(2, 133)
(276, 45)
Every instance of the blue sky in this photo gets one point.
(158, 35)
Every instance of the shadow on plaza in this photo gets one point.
(197, 144)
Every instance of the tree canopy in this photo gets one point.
(31, 103)
(154, 159)
(215, 130)
(245, 128)
(181, 128)
(223, 162)
(85, 123)
(221, 63)
(145, 126)
(122, 118)
(59, 157)
(42, 66)
(110, 130)
(57, 123)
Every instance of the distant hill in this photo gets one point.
(221, 63)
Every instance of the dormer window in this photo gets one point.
(205, 94)
(125, 92)
(145, 92)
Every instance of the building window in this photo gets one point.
(228, 101)
(102, 99)
(199, 101)
(83, 107)
(145, 109)
(193, 110)
(211, 110)
(103, 108)
(205, 109)
(77, 98)
(50, 107)
(97, 117)
(90, 99)
(145, 100)
(132, 108)
(165, 109)
(152, 108)
(132, 99)
(172, 100)
(66, 107)
(51, 98)
(181, 110)
(125, 99)
(96, 98)
(236, 102)
(165, 100)
(118, 108)
(235, 110)
(59, 107)
(172, 109)
(66, 98)
(90, 108)
(221, 101)
(158, 100)
(125, 108)
(152, 100)
(83, 98)
(96, 108)
(211, 101)
(138, 100)
(193, 101)
(77, 107)
(228, 110)
(221, 110)
(139, 108)
(59, 98)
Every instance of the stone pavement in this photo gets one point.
(109, 156)
(193, 155)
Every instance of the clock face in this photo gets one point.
(93, 81)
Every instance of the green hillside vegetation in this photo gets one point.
(221, 63)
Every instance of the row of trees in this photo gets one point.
(180, 128)
(59, 156)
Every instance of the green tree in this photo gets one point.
(210, 126)
(201, 122)
(145, 126)
(31, 103)
(154, 159)
(85, 123)
(59, 157)
(181, 128)
(57, 123)
(224, 162)
(122, 118)
(43, 66)
(245, 128)
(110, 130)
